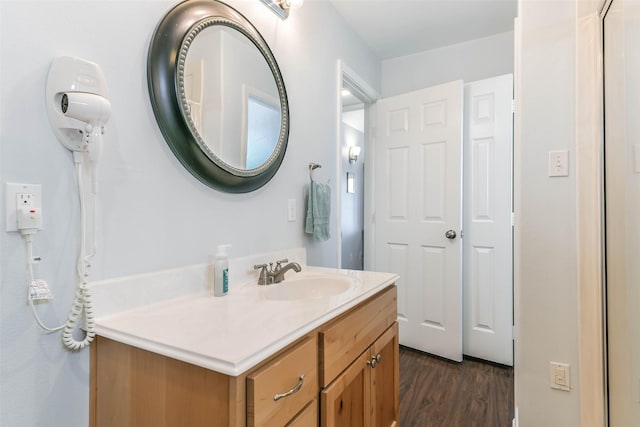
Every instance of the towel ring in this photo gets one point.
(313, 166)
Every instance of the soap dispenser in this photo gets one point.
(221, 271)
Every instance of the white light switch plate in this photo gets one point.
(560, 376)
(291, 210)
(559, 163)
(10, 201)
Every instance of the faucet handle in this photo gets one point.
(262, 276)
(278, 263)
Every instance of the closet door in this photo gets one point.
(622, 209)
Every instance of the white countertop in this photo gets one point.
(231, 334)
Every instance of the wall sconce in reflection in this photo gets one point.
(354, 152)
(282, 7)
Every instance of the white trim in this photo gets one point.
(589, 127)
(517, 236)
(365, 90)
(262, 96)
(338, 148)
(370, 95)
(371, 125)
(602, 9)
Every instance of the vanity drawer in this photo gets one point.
(281, 376)
(346, 338)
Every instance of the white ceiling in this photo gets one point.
(393, 28)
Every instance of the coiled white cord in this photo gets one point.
(82, 299)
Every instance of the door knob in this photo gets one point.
(450, 234)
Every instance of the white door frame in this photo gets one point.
(369, 96)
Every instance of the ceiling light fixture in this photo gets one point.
(282, 7)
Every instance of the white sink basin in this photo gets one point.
(309, 287)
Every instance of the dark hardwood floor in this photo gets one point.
(435, 392)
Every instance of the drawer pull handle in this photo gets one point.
(297, 388)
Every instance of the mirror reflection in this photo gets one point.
(232, 98)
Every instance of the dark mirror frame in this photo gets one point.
(167, 50)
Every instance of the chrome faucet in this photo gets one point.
(269, 274)
(278, 273)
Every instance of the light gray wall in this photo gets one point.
(547, 308)
(153, 214)
(474, 60)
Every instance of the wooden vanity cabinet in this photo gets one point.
(365, 393)
(131, 387)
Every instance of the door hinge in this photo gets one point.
(513, 219)
(513, 106)
(513, 333)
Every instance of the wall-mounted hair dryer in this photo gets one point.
(77, 106)
(76, 97)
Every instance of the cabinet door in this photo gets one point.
(347, 401)
(308, 417)
(385, 379)
(351, 335)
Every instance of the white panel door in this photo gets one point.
(487, 243)
(418, 179)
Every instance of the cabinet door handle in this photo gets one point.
(375, 360)
(297, 388)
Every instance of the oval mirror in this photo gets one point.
(218, 96)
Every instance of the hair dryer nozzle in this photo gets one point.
(87, 107)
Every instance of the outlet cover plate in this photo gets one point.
(11, 192)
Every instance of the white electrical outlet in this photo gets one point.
(19, 196)
(25, 200)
